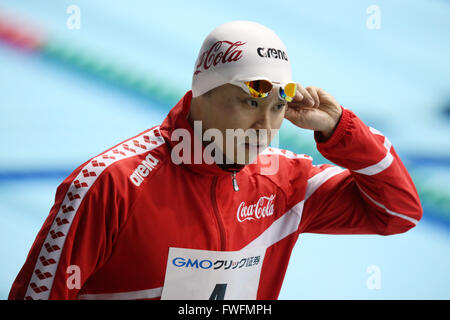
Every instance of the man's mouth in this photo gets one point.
(255, 145)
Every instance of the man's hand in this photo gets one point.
(313, 108)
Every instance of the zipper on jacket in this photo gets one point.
(234, 181)
(217, 215)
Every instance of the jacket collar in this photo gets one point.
(177, 119)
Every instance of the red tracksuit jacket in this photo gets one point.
(115, 217)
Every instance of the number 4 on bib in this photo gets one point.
(219, 292)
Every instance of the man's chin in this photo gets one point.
(248, 154)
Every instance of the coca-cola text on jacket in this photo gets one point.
(262, 208)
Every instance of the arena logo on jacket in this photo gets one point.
(143, 170)
(264, 207)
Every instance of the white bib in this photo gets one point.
(214, 275)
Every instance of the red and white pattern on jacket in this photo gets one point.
(43, 275)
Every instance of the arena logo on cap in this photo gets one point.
(272, 53)
(214, 55)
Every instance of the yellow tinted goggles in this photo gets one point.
(262, 88)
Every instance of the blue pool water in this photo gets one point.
(395, 78)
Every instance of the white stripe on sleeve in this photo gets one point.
(382, 164)
(400, 215)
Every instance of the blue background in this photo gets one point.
(396, 79)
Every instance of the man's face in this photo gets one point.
(229, 107)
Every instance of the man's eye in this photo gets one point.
(252, 103)
(279, 107)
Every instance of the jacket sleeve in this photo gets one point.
(371, 194)
(76, 237)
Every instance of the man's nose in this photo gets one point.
(263, 121)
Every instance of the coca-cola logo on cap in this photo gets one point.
(220, 52)
(262, 208)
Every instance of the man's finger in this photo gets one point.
(313, 92)
(298, 96)
(307, 98)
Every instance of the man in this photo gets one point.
(188, 210)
